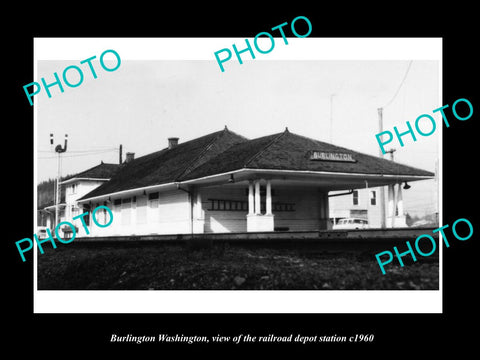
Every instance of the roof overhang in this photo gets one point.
(129, 192)
(52, 207)
(328, 181)
(84, 179)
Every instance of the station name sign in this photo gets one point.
(330, 156)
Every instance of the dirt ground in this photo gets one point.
(179, 267)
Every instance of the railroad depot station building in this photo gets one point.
(224, 182)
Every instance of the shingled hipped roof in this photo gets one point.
(101, 171)
(168, 165)
(287, 151)
(46, 192)
(224, 151)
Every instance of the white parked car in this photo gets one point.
(351, 223)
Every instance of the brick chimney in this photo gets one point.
(129, 157)
(172, 142)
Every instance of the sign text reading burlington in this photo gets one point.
(330, 156)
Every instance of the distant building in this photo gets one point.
(73, 188)
(360, 203)
(223, 182)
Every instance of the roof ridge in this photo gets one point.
(360, 152)
(357, 152)
(258, 153)
(205, 149)
(75, 175)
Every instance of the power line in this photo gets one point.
(81, 154)
(401, 83)
(84, 151)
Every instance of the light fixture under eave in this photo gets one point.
(406, 186)
(232, 179)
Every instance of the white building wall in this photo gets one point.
(294, 208)
(307, 209)
(217, 219)
(174, 212)
(141, 215)
(73, 192)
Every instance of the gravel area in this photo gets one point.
(177, 267)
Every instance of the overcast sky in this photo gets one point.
(143, 103)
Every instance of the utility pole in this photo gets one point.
(392, 197)
(57, 193)
(436, 200)
(58, 149)
(331, 117)
(368, 203)
(120, 155)
(382, 188)
(331, 206)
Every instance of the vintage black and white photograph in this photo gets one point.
(170, 174)
(218, 177)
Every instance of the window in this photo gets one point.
(74, 211)
(283, 207)
(134, 202)
(73, 189)
(355, 197)
(86, 218)
(117, 206)
(141, 210)
(153, 203)
(153, 212)
(237, 205)
(100, 216)
(227, 205)
(153, 196)
(126, 211)
(373, 198)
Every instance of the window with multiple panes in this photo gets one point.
(227, 205)
(239, 205)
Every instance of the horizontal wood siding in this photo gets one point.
(306, 214)
(174, 213)
(224, 221)
(169, 214)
